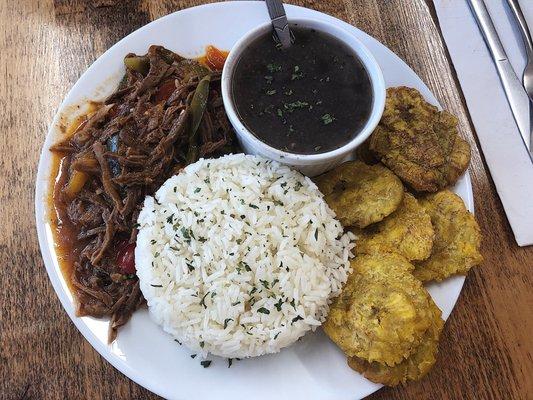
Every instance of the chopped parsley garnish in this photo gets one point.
(279, 304)
(230, 361)
(193, 355)
(242, 264)
(273, 67)
(263, 310)
(197, 190)
(205, 363)
(298, 186)
(297, 318)
(177, 341)
(290, 107)
(297, 73)
(226, 322)
(327, 119)
(316, 234)
(202, 303)
(264, 283)
(186, 233)
(202, 344)
(253, 206)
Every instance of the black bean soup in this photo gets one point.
(311, 98)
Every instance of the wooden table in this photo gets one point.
(45, 45)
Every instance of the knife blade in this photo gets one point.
(527, 76)
(516, 95)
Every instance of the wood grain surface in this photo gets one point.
(45, 45)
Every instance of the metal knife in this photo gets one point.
(516, 95)
(527, 76)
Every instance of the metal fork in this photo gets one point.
(527, 77)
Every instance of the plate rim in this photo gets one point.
(42, 180)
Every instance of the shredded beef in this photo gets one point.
(135, 141)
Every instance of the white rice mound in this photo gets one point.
(240, 256)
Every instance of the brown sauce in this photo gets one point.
(66, 244)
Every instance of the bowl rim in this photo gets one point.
(350, 40)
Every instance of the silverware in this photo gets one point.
(516, 95)
(527, 76)
(279, 22)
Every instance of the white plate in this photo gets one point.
(313, 368)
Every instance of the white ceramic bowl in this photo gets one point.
(308, 164)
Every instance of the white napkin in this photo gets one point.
(501, 143)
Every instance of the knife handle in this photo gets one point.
(526, 35)
(487, 29)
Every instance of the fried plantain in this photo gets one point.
(407, 231)
(382, 312)
(361, 194)
(419, 143)
(412, 368)
(457, 238)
